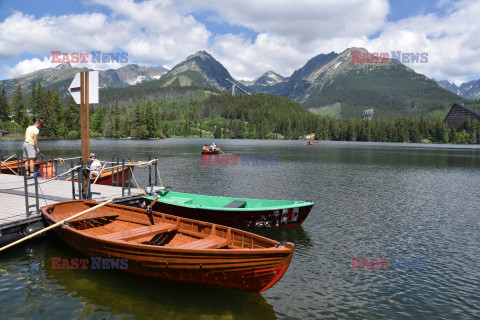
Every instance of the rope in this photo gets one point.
(62, 160)
(36, 180)
(138, 187)
(159, 178)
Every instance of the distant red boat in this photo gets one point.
(211, 152)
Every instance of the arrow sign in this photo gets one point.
(92, 87)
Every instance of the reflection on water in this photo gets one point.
(101, 293)
(372, 200)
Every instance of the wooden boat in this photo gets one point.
(216, 151)
(233, 212)
(111, 176)
(172, 248)
(11, 166)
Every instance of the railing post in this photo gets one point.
(149, 173)
(73, 180)
(156, 171)
(25, 185)
(123, 174)
(130, 172)
(20, 163)
(118, 172)
(113, 173)
(55, 167)
(37, 206)
(79, 179)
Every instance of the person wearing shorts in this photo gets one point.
(30, 147)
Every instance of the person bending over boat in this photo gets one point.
(95, 165)
(30, 147)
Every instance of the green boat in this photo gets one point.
(234, 212)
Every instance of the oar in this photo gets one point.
(153, 202)
(149, 210)
(13, 155)
(4, 162)
(55, 225)
(100, 173)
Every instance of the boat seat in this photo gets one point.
(236, 204)
(95, 215)
(140, 232)
(211, 242)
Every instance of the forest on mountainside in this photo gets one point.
(195, 112)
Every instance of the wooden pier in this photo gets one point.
(13, 212)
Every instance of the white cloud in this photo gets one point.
(26, 66)
(150, 31)
(452, 41)
(303, 20)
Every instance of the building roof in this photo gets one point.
(458, 114)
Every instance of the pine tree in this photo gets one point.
(32, 100)
(19, 112)
(57, 108)
(71, 115)
(46, 112)
(4, 107)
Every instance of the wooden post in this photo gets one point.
(85, 127)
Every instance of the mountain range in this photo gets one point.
(61, 76)
(468, 90)
(333, 84)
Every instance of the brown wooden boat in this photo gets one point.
(112, 177)
(11, 166)
(173, 248)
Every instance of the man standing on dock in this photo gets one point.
(30, 147)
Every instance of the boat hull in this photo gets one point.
(110, 177)
(294, 216)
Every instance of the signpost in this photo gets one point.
(84, 90)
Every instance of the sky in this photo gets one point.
(248, 37)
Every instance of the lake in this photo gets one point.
(415, 205)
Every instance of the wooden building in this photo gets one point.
(458, 115)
